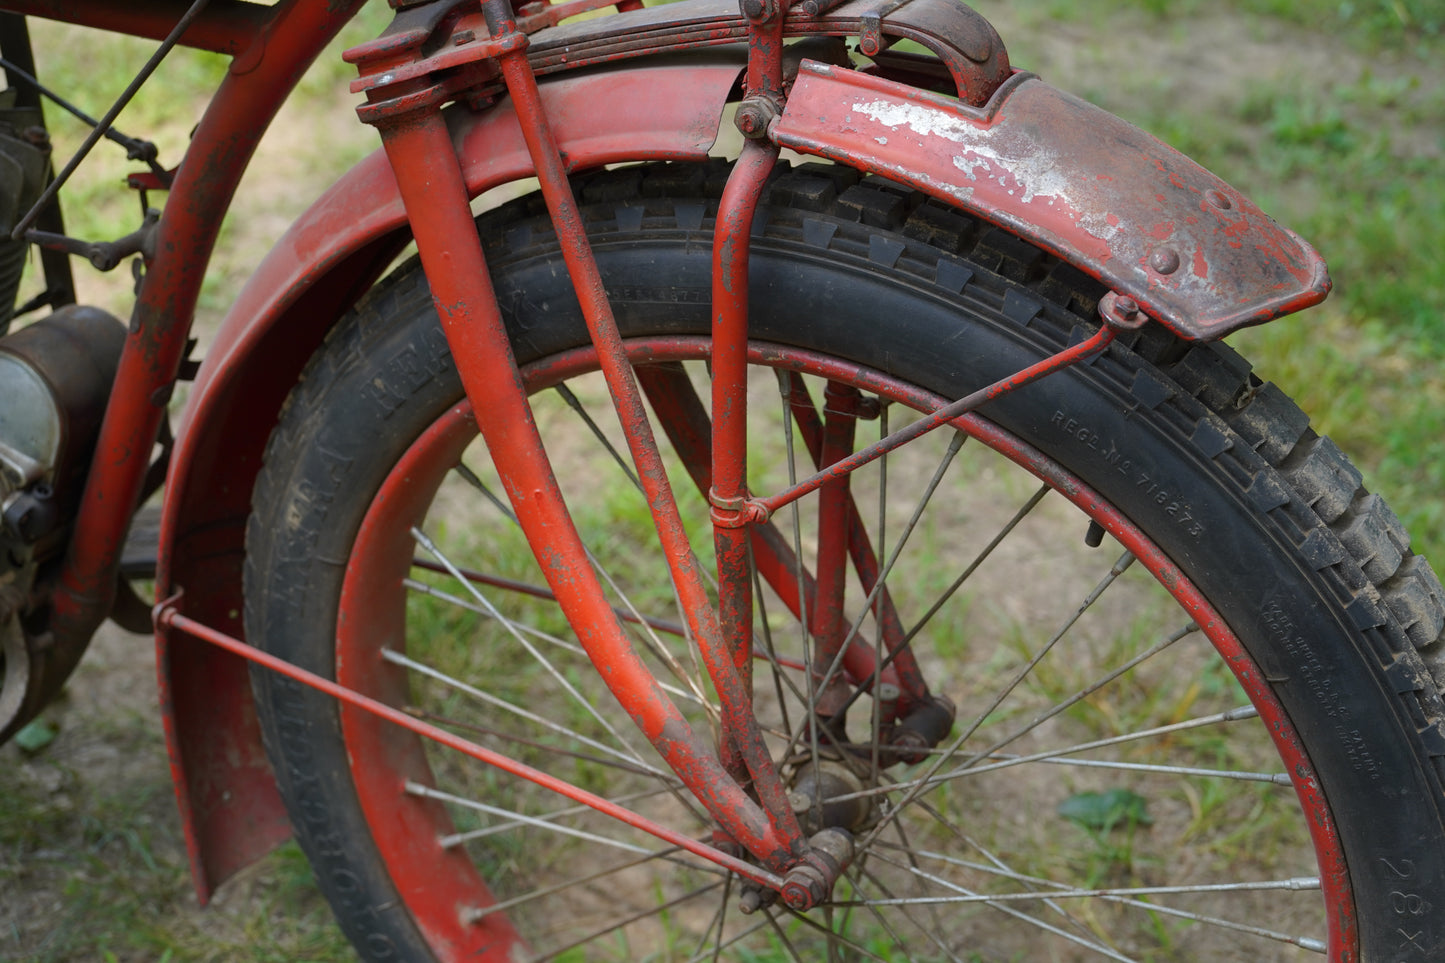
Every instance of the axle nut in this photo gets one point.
(753, 117)
(804, 888)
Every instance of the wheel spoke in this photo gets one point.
(1008, 688)
(962, 894)
(582, 701)
(1083, 693)
(1129, 898)
(629, 613)
(396, 658)
(627, 921)
(531, 631)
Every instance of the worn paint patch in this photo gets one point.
(919, 119)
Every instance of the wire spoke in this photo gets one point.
(478, 914)
(456, 839)
(582, 701)
(955, 443)
(938, 763)
(1298, 884)
(964, 895)
(576, 405)
(534, 632)
(396, 658)
(629, 612)
(541, 592)
(1087, 691)
(629, 920)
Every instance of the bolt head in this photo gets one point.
(1126, 306)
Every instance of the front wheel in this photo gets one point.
(1180, 642)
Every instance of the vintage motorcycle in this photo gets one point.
(871, 554)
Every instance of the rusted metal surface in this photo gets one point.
(225, 26)
(317, 282)
(938, 418)
(732, 235)
(1334, 875)
(689, 429)
(967, 45)
(1075, 180)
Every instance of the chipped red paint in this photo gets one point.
(224, 26)
(732, 237)
(1073, 179)
(940, 417)
(169, 617)
(215, 160)
(688, 428)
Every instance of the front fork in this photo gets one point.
(739, 784)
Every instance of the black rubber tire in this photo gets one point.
(1222, 471)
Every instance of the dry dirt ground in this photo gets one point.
(100, 792)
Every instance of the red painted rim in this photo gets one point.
(440, 886)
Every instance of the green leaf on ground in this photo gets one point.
(1106, 810)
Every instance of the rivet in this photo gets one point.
(1164, 260)
(1216, 199)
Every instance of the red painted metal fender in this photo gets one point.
(327, 260)
(1103, 195)
(1080, 183)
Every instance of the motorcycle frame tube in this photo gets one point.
(1334, 878)
(728, 492)
(689, 426)
(224, 26)
(726, 648)
(165, 307)
(168, 618)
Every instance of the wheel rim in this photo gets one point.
(1094, 827)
